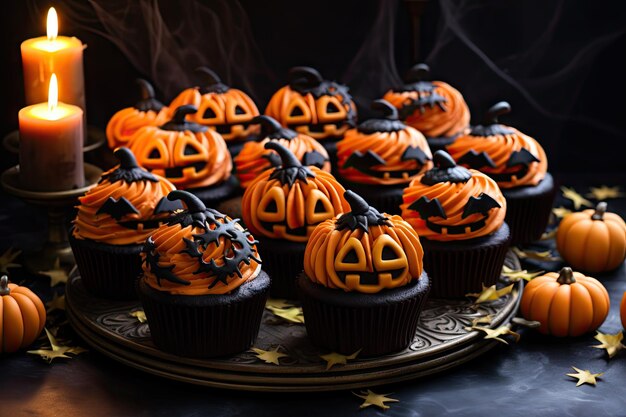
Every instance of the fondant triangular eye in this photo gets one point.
(165, 205)
(428, 208)
(476, 160)
(481, 204)
(521, 157)
(117, 208)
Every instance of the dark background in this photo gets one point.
(559, 64)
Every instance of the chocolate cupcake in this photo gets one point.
(114, 219)
(364, 286)
(221, 108)
(202, 289)
(434, 108)
(191, 156)
(254, 158)
(314, 106)
(459, 216)
(380, 157)
(518, 164)
(282, 207)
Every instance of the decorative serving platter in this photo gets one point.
(441, 342)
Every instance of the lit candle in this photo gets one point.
(51, 144)
(61, 55)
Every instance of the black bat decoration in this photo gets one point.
(164, 205)
(415, 153)
(476, 160)
(424, 100)
(521, 157)
(117, 208)
(314, 158)
(160, 272)
(363, 162)
(428, 208)
(481, 204)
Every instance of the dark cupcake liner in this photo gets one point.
(528, 210)
(205, 326)
(234, 147)
(108, 271)
(385, 198)
(440, 143)
(376, 324)
(211, 196)
(283, 260)
(461, 267)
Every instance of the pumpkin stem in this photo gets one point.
(178, 122)
(4, 285)
(193, 203)
(146, 90)
(600, 210)
(268, 124)
(126, 158)
(498, 109)
(417, 73)
(442, 159)
(357, 204)
(566, 276)
(304, 75)
(388, 111)
(287, 157)
(146, 93)
(210, 75)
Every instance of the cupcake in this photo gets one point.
(190, 155)
(254, 158)
(380, 157)
(282, 207)
(202, 289)
(459, 215)
(314, 106)
(363, 286)
(147, 112)
(518, 164)
(226, 110)
(434, 108)
(114, 219)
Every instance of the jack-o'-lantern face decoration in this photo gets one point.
(228, 111)
(508, 156)
(313, 106)
(450, 202)
(290, 200)
(187, 154)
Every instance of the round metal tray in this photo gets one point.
(441, 342)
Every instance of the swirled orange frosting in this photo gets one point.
(454, 198)
(434, 121)
(390, 146)
(252, 160)
(171, 250)
(126, 122)
(322, 257)
(104, 228)
(500, 148)
(299, 206)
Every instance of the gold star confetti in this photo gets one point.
(604, 192)
(57, 274)
(335, 358)
(7, 258)
(577, 200)
(496, 333)
(517, 275)
(561, 212)
(377, 400)
(278, 303)
(548, 235)
(140, 315)
(57, 303)
(482, 320)
(584, 377)
(269, 356)
(56, 350)
(292, 314)
(611, 342)
(490, 294)
(531, 254)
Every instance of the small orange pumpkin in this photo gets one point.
(592, 240)
(147, 112)
(622, 311)
(22, 316)
(566, 304)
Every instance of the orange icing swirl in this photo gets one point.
(126, 122)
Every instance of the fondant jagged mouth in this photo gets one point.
(371, 278)
(177, 172)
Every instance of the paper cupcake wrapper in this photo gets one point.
(206, 325)
(283, 260)
(212, 195)
(375, 329)
(108, 271)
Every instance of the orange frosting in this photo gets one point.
(500, 148)
(433, 121)
(126, 122)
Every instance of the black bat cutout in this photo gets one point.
(428, 208)
(415, 153)
(476, 160)
(363, 162)
(521, 157)
(481, 204)
(424, 100)
(314, 158)
(117, 208)
(160, 272)
(164, 205)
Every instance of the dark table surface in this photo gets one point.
(523, 379)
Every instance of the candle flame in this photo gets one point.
(52, 26)
(53, 93)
